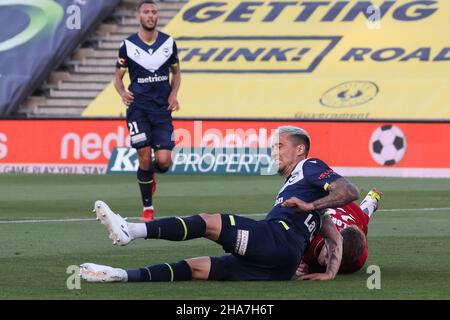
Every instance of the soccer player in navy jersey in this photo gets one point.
(270, 249)
(150, 56)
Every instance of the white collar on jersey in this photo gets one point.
(295, 176)
(151, 62)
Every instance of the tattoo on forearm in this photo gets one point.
(334, 199)
(333, 267)
(333, 260)
(333, 243)
(341, 193)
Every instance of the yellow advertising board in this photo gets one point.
(310, 60)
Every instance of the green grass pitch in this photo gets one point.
(408, 238)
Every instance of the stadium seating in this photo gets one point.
(71, 87)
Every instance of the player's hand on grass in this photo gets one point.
(173, 103)
(299, 205)
(127, 97)
(302, 269)
(317, 276)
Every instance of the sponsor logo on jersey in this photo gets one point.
(326, 174)
(153, 79)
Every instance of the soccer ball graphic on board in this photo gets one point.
(387, 145)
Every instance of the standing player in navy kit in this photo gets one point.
(150, 56)
(270, 249)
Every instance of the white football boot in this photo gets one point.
(371, 203)
(116, 225)
(92, 272)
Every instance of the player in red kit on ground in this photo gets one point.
(352, 222)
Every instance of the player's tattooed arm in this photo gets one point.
(340, 191)
(334, 244)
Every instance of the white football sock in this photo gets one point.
(368, 205)
(137, 230)
(123, 274)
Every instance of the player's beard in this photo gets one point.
(277, 165)
(147, 28)
(284, 170)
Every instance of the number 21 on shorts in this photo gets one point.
(133, 128)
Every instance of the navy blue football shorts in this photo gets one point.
(259, 250)
(153, 129)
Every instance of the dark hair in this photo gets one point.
(142, 2)
(301, 139)
(354, 244)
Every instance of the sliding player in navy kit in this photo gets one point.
(270, 249)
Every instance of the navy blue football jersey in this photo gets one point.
(149, 69)
(308, 181)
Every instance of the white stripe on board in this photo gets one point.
(393, 172)
(70, 168)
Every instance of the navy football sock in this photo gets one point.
(179, 271)
(176, 229)
(145, 180)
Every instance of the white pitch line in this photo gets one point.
(51, 220)
(416, 209)
(243, 214)
(44, 221)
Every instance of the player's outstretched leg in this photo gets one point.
(173, 229)
(370, 203)
(92, 272)
(166, 272)
(114, 223)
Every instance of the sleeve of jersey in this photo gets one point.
(319, 174)
(174, 57)
(122, 60)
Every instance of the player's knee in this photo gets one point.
(200, 267)
(207, 217)
(164, 164)
(213, 225)
(162, 167)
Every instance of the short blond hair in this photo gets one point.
(297, 135)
